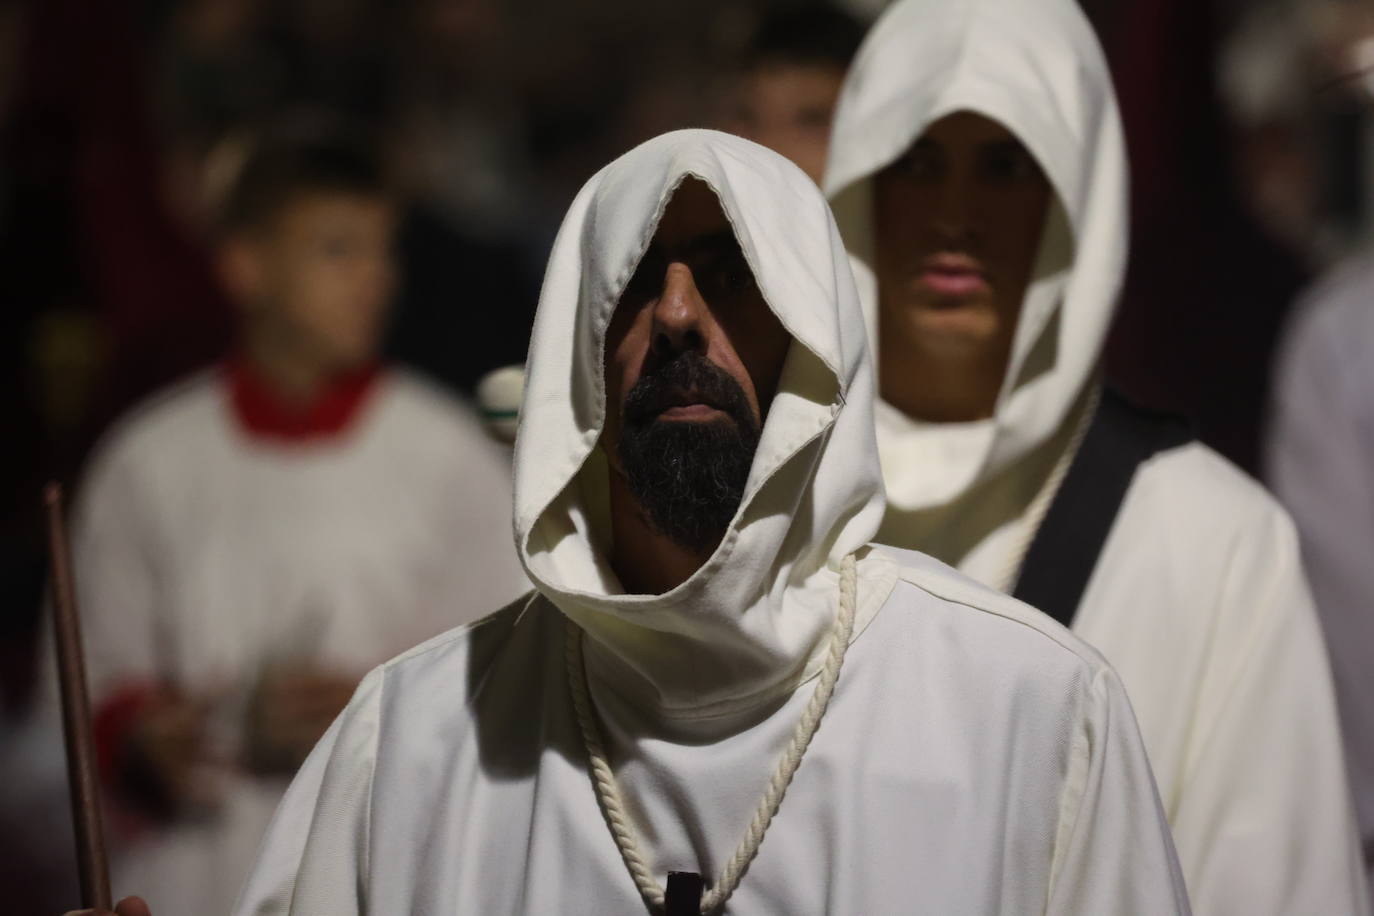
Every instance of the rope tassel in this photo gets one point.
(613, 804)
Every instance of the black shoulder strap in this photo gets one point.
(1064, 552)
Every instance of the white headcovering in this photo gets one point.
(1035, 67)
(750, 622)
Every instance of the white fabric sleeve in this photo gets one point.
(1321, 464)
(1265, 820)
(114, 542)
(314, 858)
(1113, 851)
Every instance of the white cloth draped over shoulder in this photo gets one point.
(1197, 598)
(975, 757)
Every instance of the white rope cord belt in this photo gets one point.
(613, 805)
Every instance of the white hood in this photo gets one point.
(1035, 67)
(746, 626)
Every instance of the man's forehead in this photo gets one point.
(693, 221)
(970, 127)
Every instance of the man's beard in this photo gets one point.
(688, 476)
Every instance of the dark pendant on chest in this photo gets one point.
(683, 894)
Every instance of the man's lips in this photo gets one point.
(687, 405)
(689, 412)
(953, 276)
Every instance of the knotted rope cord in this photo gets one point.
(1035, 512)
(613, 804)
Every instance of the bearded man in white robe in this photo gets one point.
(979, 179)
(720, 696)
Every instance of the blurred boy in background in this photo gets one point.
(789, 80)
(251, 541)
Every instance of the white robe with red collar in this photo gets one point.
(209, 543)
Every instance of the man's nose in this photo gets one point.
(679, 314)
(954, 219)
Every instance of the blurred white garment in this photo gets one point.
(1321, 463)
(975, 757)
(1196, 598)
(205, 552)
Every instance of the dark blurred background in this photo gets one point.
(120, 122)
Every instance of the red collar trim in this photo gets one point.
(263, 414)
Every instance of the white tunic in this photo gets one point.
(1321, 463)
(1197, 598)
(975, 757)
(204, 553)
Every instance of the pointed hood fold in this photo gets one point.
(1036, 67)
(750, 623)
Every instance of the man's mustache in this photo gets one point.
(688, 378)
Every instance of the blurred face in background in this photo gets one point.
(787, 107)
(315, 281)
(957, 220)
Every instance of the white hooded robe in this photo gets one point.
(975, 757)
(1197, 597)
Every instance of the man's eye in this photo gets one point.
(921, 161)
(1013, 164)
(335, 248)
(814, 118)
(730, 277)
(646, 281)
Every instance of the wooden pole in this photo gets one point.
(82, 777)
